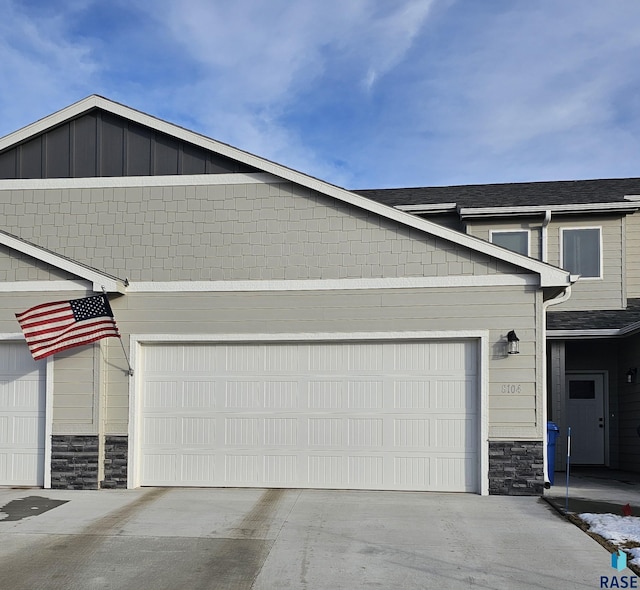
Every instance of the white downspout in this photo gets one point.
(544, 237)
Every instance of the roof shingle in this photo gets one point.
(566, 192)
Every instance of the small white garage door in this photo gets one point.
(22, 415)
(354, 415)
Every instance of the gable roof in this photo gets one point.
(609, 194)
(550, 276)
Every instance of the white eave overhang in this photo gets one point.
(593, 334)
(618, 207)
(433, 208)
(99, 280)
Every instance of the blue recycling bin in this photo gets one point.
(552, 434)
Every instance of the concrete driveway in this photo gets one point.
(180, 538)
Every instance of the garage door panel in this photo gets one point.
(280, 469)
(22, 416)
(241, 432)
(346, 415)
(160, 431)
(325, 470)
(365, 471)
(198, 431)
(160, 468)
(241, 469)
(197, 468)
(160, 394)
(412, 472)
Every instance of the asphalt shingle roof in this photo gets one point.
(610, 319)
(566, 192)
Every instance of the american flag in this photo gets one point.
(52, 327)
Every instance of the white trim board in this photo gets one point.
(549, 276)
(137, 341)
(42, 286)
(334, 284)
(137, 181)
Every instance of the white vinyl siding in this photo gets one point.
(355, 415)
(22, 417)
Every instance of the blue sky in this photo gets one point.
(361, 93)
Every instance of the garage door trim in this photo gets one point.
(137, 341)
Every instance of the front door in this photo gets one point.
(586, 417)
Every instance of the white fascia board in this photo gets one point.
(470, 212)
(137, 181)
(99, 280)
(334, 284)
(431, 208)
(549, 276)
(632, 197)
(43, 286)
(573, 334)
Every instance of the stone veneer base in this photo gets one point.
(74, 462)
(116, 450)
(516, 468)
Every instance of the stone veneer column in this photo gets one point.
(116, 450)
(74, 462)
(516, 468)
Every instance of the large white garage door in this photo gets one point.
(356, 415)
(22, 412)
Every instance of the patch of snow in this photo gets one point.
(617, 529)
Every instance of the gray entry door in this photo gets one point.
(586, 417)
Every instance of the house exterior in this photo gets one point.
(592, 229)
(276, 330)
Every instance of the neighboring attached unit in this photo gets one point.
(592, 229)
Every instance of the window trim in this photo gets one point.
(512, 231)
(600, 249)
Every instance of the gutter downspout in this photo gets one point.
(545, 305)
(544, 237)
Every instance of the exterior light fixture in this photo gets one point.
(513, 346)
(631, 375)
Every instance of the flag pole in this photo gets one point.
(566, 502)
(126, 358)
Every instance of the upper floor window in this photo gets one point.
(582, 251)
(516, 240)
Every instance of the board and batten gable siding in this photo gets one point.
(605, 293)
(482, 230)
(103, 144)
(515, 408)
(632, 240)
(232, 232)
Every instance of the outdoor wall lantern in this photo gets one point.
(632, 374)
(513, 343)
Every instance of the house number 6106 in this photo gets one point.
(511, 388)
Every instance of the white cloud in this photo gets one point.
(262, 61)
(360, 93)
(41, 69)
